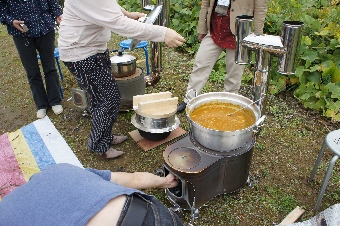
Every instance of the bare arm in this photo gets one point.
(143, 180)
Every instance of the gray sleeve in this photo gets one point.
(105, 174)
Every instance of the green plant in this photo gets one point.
(316, 82)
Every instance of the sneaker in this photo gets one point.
(181, 107)
(41, 113)
(57, 109)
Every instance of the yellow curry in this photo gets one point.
(215, 115)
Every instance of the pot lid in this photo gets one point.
(184, 158)
(122, 58)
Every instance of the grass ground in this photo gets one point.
(285, 151)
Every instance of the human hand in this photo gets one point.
(16, 24)
(173, 39)
(59, 19)
(136, 15)
(201, 36)
(170, 181)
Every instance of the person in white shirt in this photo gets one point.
(83, 35)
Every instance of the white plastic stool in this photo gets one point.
(125, 44)
(332, 141)
(56, 56)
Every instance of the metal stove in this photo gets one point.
(204, 173)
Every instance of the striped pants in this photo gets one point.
(94, 75)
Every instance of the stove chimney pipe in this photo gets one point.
(264, 46)
(244, 26)
(156, 47)
(291, 37)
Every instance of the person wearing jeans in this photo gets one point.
(63, 194)
(31, 23)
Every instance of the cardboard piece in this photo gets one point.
(149, 144)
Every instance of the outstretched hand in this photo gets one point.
(173, 39)
(170, 181)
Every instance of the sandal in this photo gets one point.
(112, 153)
(118, 139)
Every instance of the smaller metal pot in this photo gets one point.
(123, 64)
(154, 136)
(161, 125)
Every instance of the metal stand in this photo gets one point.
(265, 47)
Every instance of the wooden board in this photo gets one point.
(156, 109)
(293, 216)
(149, 97)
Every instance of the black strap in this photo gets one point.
(136, 212)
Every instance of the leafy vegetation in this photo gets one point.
(316, 82)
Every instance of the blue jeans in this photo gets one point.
(27, 49)
(157, 214)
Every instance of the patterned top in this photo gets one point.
(38, 15)
(220, 31)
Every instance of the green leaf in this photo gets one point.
(310, 55)
(300, 90)
(305, 96)
(333, 43)
(314, 77)
(334, 105)
(299, 71)
(334, 89)
(319, 104)
(336, 117)
(306, 40)
(336, 75)
(336, 57)
(315, 68)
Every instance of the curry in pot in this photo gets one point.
(215, 115)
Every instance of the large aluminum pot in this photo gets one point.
(123, 64)
(223, 141)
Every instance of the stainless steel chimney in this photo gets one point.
(265, 47)
(156, 47)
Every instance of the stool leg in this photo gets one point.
(147, 60)
(61, 77)
(317, 161)
(325, 182)
(60, 72)
(61, 92)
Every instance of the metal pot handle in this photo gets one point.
(258, 124)
(189, 91)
